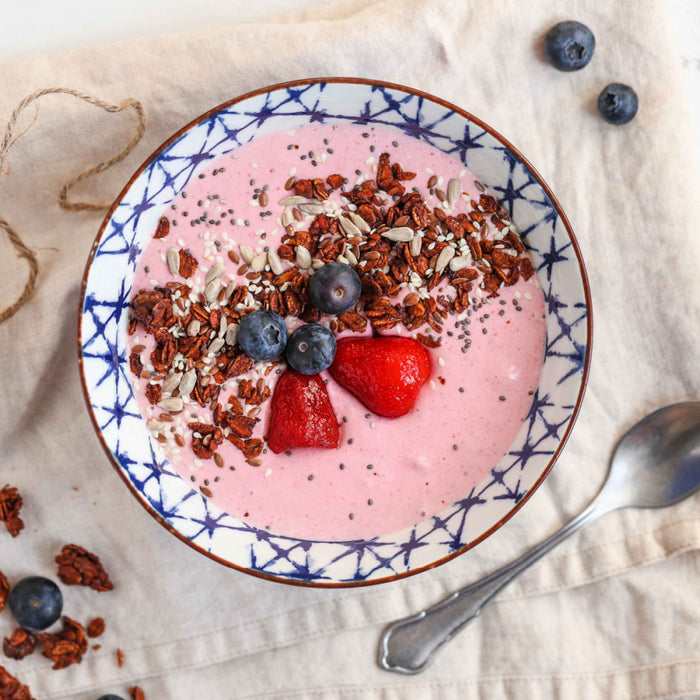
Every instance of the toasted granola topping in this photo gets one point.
(96, 627)
(19, 644)
(78, 566)
(11, 688)
(4, 590)
(65, 647)
(10, 504)
(418, 264)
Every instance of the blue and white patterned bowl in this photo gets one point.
(104, 316)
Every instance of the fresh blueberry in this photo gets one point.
(618, 104)
(110, 697)
(569, 45)
(335, 288)
(262, 335)
(311, 348)
(36, 603)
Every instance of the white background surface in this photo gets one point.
(43, 26)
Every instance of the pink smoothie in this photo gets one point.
(387, 474)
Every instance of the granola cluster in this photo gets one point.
(67, 646)
(417, 266)
(10, 504)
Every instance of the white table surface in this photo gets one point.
(42, 26)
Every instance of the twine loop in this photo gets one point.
(9, 139)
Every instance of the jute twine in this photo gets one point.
(7, 142)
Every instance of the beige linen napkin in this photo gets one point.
(611, 613)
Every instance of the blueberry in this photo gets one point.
(618, 103)
(110, 697)
(335, 288)
(262, 335)
(311, 348)
(36, 603)
(569, 46)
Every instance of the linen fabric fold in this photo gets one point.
(612, 612)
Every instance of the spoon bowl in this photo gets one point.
(655, 464)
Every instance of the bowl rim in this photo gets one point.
(584, 281)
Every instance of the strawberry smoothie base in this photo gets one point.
(233, 221)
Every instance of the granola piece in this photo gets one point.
(335, 181)
(163, 228)
(10, 504)
(136, 693)
(78, 566)
(65, 647)
(4, 590)
(19, 644)
(205, 439)
(188, 264)
(11, 688)
(96, 627)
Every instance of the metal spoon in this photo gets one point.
(655, 464)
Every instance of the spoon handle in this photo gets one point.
(410, 644)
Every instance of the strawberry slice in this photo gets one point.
(301, 414)
(384, 373)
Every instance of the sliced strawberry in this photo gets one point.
(384, 373)
(301, 414)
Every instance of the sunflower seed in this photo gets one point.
(257, 264)
(303, 257)
(400, 233)
(228, 292)
(446, 254)
(173, 258)
(292, 199)
(287, 217)
(223, 325)
(194, 327)
(211, 291)
(188, 382)
(231, 333)
(349, 229)
(275, 263)
(312, 209)
(154, 424)
(460, 262)
(215, 271)
(317, 264)
(171, 382)
(247, 253)
(350, 256)
(453, 191)
(172, 404)
(359, 222)
(215, 345)
(416, 245)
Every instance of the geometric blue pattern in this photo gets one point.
(104, 317)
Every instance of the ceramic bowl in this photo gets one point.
(104, 312)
